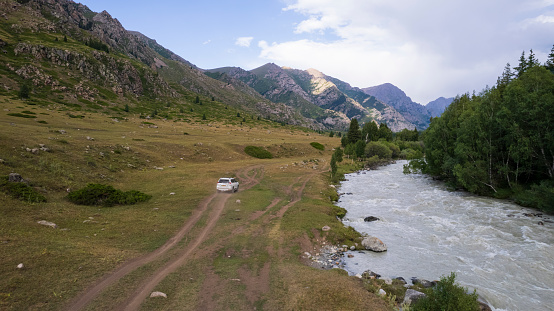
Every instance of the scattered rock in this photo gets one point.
(350, 256)
(540, 223)
(483, 306)
(158, 294)
(237, 201)
(15, 177)
(368, 274)
(412, 296)
(387, 280)
(326, 228)
(47, 223)
(20, 266)
(172, 193)
(89, 138)
(371, 218)
(374, 244)
(382, 292)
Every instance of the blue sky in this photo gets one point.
(428, 48)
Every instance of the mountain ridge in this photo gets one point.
(126, 66)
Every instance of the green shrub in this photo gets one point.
(540, 196)
(340, 212)
(105, 195)
(378, 149)
(447, 296)
(317, 146)
(21, 191)
(258, 152)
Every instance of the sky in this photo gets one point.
(427, 48)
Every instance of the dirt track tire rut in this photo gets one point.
(134, 302)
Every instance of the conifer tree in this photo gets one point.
(522, 66)
(550, 61)
(532, 60)
(354, 133)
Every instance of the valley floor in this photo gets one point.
(204, 250)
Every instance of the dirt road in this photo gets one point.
(213, 206)
(248, 180)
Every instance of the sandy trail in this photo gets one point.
(133, 303)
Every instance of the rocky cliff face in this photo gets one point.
(310, 89)
(416, 114)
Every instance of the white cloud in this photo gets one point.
(244, 41)
(428, 48)
(207, 42)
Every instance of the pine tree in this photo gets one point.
(506, 76)
(532, 61)
(197, 100)
(354, 133)
(550, 61)
(522, 66)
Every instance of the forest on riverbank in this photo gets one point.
(499, 142)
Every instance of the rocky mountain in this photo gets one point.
(67, 54)
(437, 107)
(318, 96)
(413, 112)
(71, 55)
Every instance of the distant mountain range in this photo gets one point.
(126, 67)
(331, 101)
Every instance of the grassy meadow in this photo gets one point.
(250, 259)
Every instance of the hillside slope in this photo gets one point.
(67, 54)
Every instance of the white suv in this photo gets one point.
(227, 184)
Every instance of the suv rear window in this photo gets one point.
(223, 181)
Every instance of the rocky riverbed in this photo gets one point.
(332, 257)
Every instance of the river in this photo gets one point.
(490, 244)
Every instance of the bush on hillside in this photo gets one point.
(447, 295)
(21, 191)
(258, 152)
(105, 195)
(317, 146)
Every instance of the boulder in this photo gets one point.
(326, 228)
(372, 243)
(15, 177)
(412, 296)
(371, 218)
(368, 274)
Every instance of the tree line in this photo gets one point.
(499, 142)
(373, 145)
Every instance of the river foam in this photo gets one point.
(492, 245)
